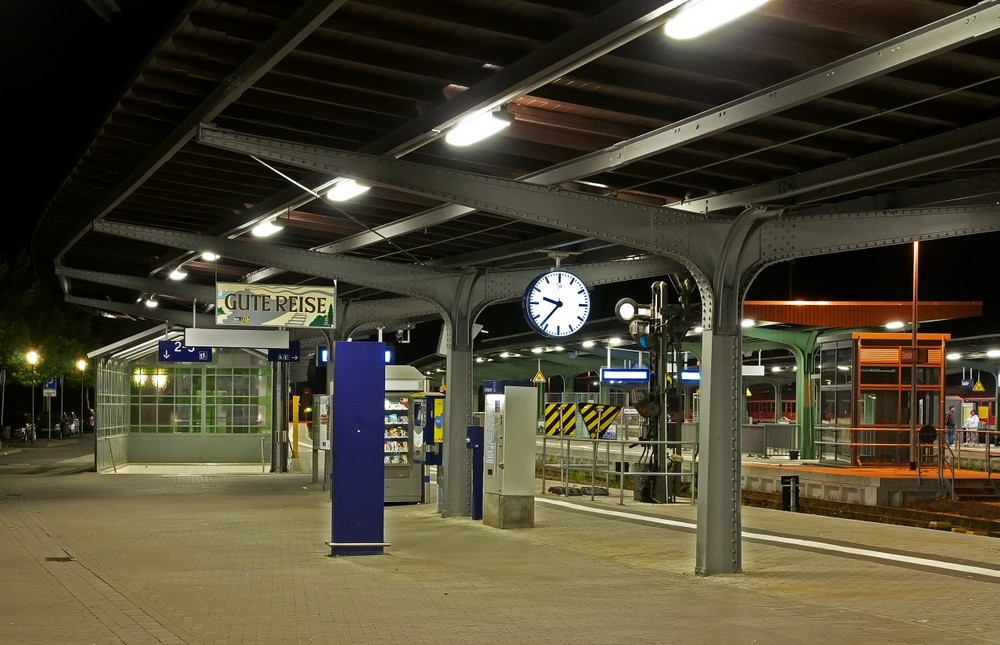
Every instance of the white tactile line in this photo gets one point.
(950, 567)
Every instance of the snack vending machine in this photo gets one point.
(403, 472)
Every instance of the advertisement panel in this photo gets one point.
(239, 304)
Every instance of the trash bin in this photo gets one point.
(790, 493)
(793, 454)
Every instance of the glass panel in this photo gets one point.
(844, 408)
(845, 366)
(828, 367)
(881, 407)
(925, 375)
(872, 375)
(828, 407)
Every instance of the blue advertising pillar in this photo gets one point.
(356, 449)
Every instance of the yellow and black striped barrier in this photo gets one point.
(560, 418)
(598, 417)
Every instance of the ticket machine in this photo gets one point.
(510, 428)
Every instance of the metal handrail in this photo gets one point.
(565, 467)
(111, 453)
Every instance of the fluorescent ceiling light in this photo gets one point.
(478, 126)
(698, 17)
(178, 274)
(266, 228)
(345, 189)
(209, 256)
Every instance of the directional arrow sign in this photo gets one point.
(290, 355)
(174, 351)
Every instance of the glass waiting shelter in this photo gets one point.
(864, 389)
(152, 412)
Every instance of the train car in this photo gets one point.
(760, 403)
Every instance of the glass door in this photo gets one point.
(397, 430)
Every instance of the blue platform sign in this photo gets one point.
(174, 351)
(290, 355)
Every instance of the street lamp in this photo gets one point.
(32, 357)
(82, 366)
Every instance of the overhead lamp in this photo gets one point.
(953, 356)
(209, 256)
(178, 274)
(746, 322)
(895, 325)
(537, 350)
(698, 17)
(267, 227)
(993, 353)
(345, 189)
(614, 340)
(587, 344)
(776, 369)
(479, 126)
(151, 302)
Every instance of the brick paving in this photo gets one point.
(90, 558)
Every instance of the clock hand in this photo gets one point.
(557, 303)
(546, 319)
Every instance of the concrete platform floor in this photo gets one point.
(88, 558)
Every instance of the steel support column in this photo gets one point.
(719, 520)
(279, 430)
(454, 476)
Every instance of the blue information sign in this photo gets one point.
(290, 355)
(174, 351)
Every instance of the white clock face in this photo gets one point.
(557, 304)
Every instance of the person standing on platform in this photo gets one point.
(972, 428)
(949, 423)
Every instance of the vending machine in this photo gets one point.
(403, 470)
(509, 429)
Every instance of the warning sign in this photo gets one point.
(598, 417)
(978, 387)
(560, 418)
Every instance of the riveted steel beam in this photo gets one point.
(294, 30)
(972, 144)
(402, 279)
(147, 285)
(956, 30)
(793, 236)
(649, 228)
(143, 312)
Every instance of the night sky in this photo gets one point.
(64, 66)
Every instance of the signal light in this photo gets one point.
(641, 333)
